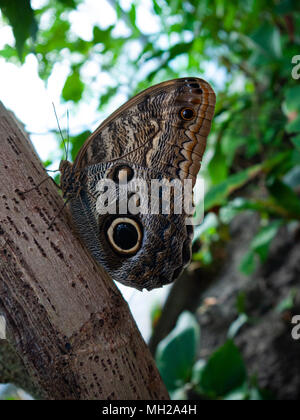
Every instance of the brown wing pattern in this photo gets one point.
(149, 130)
(160, 133)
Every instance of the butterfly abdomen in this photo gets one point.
(70, 181)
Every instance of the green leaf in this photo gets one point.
(176, 354)
(217, 167)
(21, 17)
(292, 99)
(69, 3)
(224, 372)
(255, 395)
(156, 7)
(287, 304)
(241, 303)
(73, 88)
(77, 143)
(267, 37)
(264, 207)
(237, 325)
(284, 196)
(197, 371)
(217, 194)
(102, 36)
(296, 141)
(179, 49)
(132, 15)
(105, 98)
(261, 242)
(280, 159)
(57, 179)
(8, 52)
(210, 222)
(248, 264)
(260, 246)
(239, 394)
(284, 7)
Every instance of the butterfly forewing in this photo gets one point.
(149, 128)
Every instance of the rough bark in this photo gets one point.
(70, 329)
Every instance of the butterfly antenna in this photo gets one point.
(61, 135)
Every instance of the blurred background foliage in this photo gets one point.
(246, 50)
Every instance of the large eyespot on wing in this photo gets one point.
(121, 173)
(187, 114)
(124, 236)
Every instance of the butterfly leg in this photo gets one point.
(52, 171)
(39, 184)
(58, 214)
(3, 246)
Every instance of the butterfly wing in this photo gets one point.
(159, 134)
(164, 127)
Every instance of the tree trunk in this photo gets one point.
(72, 333)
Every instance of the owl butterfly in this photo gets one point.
(159, 134)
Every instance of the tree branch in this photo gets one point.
(65, 318)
